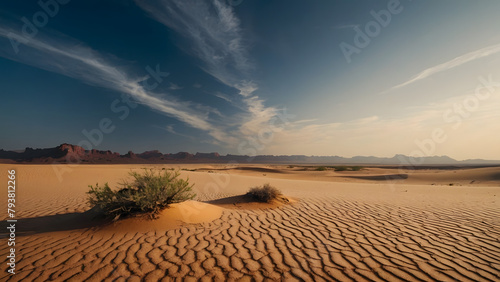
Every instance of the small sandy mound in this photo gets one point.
(172, 217)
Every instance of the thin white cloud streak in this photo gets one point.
(170, 128)
(213, 32)
(458, 61)
(80, 62)
(223, 97)
(215, 37)
(305, 121)
(174, 86)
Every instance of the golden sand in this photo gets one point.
(348, 226)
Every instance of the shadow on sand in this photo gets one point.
(248, 202)
(379, 177)
(248, 168)
(58, 222)
(234, 200)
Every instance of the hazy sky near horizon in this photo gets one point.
(321, 77)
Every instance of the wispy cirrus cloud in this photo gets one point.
(216, 38)
(170, 128)
(213, 32)
(223, 97)
(458, 61)
(174, 86)
(74, 59)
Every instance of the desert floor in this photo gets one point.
(377, 224)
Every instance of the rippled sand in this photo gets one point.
(339, 228)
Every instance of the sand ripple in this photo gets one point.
(316, 239)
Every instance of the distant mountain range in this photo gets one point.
(67, 153)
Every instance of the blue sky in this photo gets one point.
(253, 77)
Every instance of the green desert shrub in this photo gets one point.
(341, 168)
(356, 168)
(148, 193)
(265, 193)
(347, 168)
(321, 168)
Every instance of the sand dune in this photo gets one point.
(337, 230)
(461, 176)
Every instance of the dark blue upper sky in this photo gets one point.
(238, 76)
